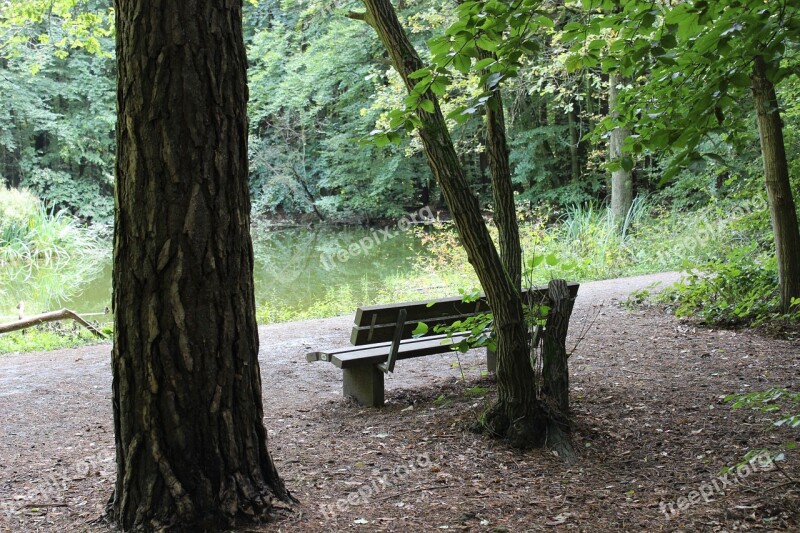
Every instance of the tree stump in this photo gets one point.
(555, 373)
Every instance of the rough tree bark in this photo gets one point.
(505, 210)
(621, 179)
(517, 414)
(782, 211)
(191, 446)
(555, 371)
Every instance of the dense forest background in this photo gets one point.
(651, 104)
(319, 83)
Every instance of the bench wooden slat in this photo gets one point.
(384, 332)
(329, 355)
(377, 323)
(387, 314)
(408, 349)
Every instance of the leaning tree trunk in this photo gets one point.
(783, 214)
(505, 210)
(517, 414)
(621, 179)
(191, 446)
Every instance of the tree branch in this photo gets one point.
(49, 317)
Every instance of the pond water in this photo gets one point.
(293, 267)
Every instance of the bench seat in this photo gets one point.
(383, 334)
(375, 354)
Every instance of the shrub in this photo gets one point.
(741, 288)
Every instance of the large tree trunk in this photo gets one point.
(191, 444)
(621, 179)
(505, 211)
(779, 192)
(517, 414)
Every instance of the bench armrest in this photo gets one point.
(312, 357)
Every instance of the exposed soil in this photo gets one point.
(649, 425)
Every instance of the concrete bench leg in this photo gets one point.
(365, 384)
(491, 360)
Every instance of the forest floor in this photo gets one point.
(650, 428)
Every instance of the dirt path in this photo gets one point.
(648, 421)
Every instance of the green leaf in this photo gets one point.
(421, 73)
(461, 63)
(740, 79)
(483, 63)
(627, 163)
(535, 261)
(381, 140)
(439, 85)
(420, 330)
(427, 106)
(485, 43)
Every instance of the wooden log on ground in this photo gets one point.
(52, 316)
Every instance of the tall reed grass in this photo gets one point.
(45, 256)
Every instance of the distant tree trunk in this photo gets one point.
(574, 144)
(621, 179)
(517, 415)
(191, 446)
(505, 210)
(783, 214)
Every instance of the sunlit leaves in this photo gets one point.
(63, 24)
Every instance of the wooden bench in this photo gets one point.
(382, 335)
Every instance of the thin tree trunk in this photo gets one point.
(505, 211)
(574, 142)
(782, 211)
(517, 414)
(191, 446)
(621, 179)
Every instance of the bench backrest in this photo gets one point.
(377, 323)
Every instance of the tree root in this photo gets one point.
(540, 427)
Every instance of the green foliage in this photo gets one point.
(692, 62)
(309, 105)
(739, 288)
(779, 402)
(45, 256)
(48, 337)
(57, 113)
(479, 328)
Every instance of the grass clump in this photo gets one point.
(45, 256)
(50, 337)
(586, 242)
